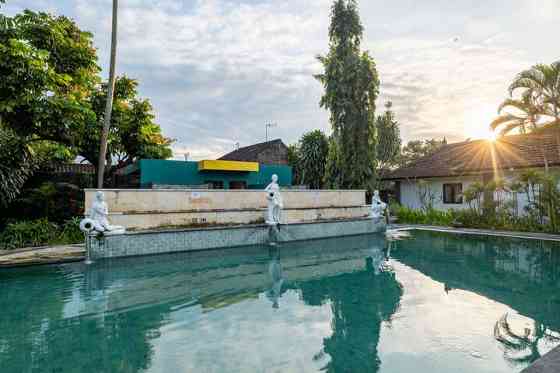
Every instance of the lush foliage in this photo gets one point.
(40, 232)
(417, 149)
(16, 165)
(132, 133)
(51, 101)
(312, 155)
(538, 105)
(48, 67)
(351, 86)
(388, 139)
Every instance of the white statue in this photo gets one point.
(275, 204)
(96, 220)
(378, 207)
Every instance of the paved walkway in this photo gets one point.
(42, 255)
(485, 232)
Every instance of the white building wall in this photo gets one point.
(410, 189)
(410, 192)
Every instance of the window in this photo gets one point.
(453, 193)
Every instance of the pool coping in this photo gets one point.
(479, 232)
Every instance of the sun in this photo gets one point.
(483, 134)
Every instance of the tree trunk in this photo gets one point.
(109, 104)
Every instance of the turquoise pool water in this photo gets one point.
(440, 303)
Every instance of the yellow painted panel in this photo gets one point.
(217, 165)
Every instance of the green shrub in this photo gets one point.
(39, 232)
(501, 219)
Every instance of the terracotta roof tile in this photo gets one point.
(472, 157)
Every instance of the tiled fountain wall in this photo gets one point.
(153, 208)
(160, 242)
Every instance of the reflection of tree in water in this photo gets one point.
(42, 338)
(519, 273)
(522, 348)
(360, 302)
(23, 319)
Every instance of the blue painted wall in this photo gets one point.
(157, 171)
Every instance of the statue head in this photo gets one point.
(274, 178)
(100, 196)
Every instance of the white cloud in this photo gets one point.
(217, 70)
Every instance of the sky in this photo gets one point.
(216, 71)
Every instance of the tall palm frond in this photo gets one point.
(543, 82)
(526, 115)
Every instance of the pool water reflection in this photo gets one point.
(432, 302)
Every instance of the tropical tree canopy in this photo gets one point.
(351, 86)
(312, 156)
(417, 149)
(539, 104)
(51, 99)
(132, 134)
(48, 67)
(388, 139)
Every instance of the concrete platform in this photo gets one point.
(42, 255)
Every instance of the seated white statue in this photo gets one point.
(96, 220)
(378, 207)
(275, 203)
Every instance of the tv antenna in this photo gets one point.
(267, 126)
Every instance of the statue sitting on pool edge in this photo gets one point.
(96, 220)
(275, 203)
(378, 207)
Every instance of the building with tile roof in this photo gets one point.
(443, 176)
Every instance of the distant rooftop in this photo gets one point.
(479, 156)
(270, 152)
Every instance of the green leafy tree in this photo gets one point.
(388, 140)
(351, 86)
(132, 131)
(417, 149)
(51, 99)
(16, 165)
(293, 159)
(48, 66)
(313, 151)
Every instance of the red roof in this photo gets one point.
(480, 156)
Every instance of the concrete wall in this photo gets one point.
(149, 208)
(175, 200)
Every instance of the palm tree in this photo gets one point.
(525, 117)
(543, 82)
(109, 104)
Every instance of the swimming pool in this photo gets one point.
(441, 303)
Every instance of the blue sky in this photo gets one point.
(216, 71)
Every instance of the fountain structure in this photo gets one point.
(165, 221)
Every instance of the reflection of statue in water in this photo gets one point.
(275, 203)
(97, 217)
(277, 278)
(378, 207)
